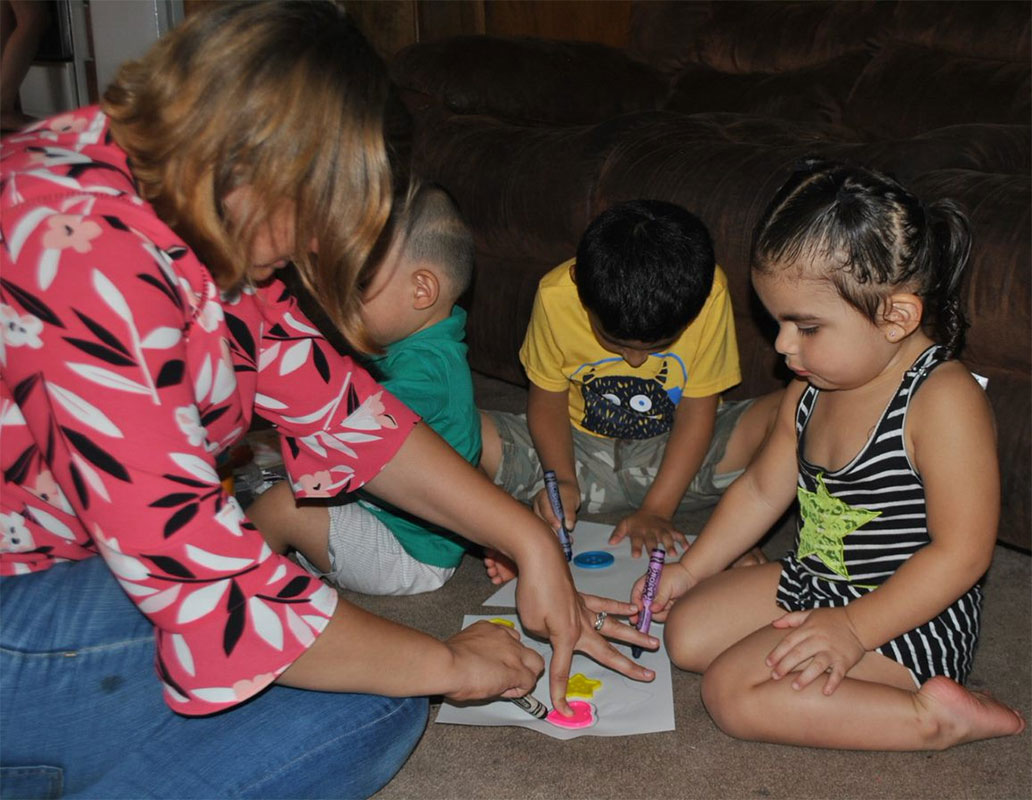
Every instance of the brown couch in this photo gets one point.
(709, 106)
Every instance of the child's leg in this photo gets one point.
(345, 544)
(876, 707)
(491, 446)
(719, 612)
(288, 526)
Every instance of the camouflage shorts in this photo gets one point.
(614, 474)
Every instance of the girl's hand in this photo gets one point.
(550, 606)
(674, 582)
(569, 493)
(489, 661)
(825, 638)
(647, 530)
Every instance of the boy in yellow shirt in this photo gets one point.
(628, 349)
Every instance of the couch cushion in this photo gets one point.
(1005, 149)
(986, 29)
(558, 82)
(908, 89)
(777, 37)
(810, 94)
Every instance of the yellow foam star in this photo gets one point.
(826, 522)
(580, 685)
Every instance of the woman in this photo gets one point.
(142, 326)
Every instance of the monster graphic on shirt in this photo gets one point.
(628, 406)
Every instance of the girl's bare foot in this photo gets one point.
(499, 567)
(961, 715)
(751, 559)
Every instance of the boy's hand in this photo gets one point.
(569, 493)
(646, 530)
(825, 638)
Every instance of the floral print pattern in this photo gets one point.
(125, 374)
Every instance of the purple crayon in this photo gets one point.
(656, 559)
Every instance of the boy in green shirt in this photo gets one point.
(408, 311)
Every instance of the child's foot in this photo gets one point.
(961, 715)
(751, 559)
(499, 567)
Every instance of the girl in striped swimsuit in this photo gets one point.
(863, 637)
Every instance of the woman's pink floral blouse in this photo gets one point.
(125, 373)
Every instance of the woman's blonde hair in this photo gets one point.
(285, 98)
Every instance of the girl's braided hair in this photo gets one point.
(871, 237)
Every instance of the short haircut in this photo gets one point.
(644, 269)
(286, 98)
(435, 232)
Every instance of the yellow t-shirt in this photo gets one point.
(608, 397)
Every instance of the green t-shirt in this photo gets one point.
(429, 373)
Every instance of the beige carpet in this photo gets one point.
(454, 762)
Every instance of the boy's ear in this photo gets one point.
(426, 288)
(902, 316)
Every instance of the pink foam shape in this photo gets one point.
(584, 716)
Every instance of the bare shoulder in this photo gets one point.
(951, 412)
(952, 389)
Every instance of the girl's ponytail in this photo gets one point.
(949, 235)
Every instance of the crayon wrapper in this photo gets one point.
(651, 585)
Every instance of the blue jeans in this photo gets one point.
(83, 713)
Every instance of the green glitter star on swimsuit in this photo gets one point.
(826, 522)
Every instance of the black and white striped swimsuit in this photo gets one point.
(857, 525)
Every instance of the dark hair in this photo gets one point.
(871, 237)
(644, 269)
(435, 232)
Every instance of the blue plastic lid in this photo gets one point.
(593, 559)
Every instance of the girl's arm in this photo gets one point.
(429, 479)
(951, 438)
(749, 508)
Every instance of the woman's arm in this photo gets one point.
(427, 478)
(360, 652)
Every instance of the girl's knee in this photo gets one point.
(727, 697)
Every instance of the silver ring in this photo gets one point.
(600, 619)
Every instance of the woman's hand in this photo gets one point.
(674, 582)
(489, 661)
(550, 606)
(822, 636)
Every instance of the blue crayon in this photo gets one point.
(656, 559)
(552, 487)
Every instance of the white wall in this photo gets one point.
(122, 30)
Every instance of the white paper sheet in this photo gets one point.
(624, 707)
(614, 581)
